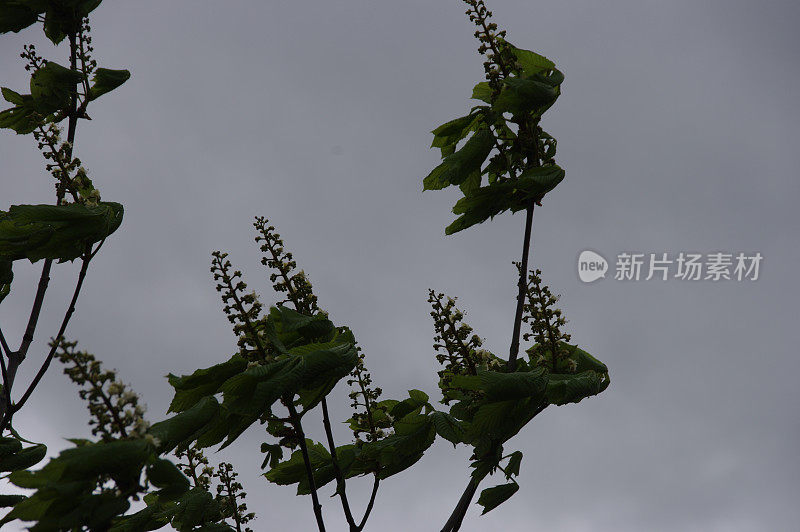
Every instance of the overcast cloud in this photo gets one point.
(678, 131)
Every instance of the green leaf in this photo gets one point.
(287, 328)
(455, 168)
(9, 446)
(530, 62)
(448, 427)
(323, 369)
(482, 91)
(583, 360)
(579, 375)
(150, 518)
(64, 498)
(451, 131)
(23, 118)
(165, 475)
(10, 500)
(447, 136)
(16, 15)
(503, 386)
(514, 461)
(12, 97)
(293, 471)
(413, 435)
(59, 232)
(250, 395)
(195, 508)
(419, 396)
(118, 459)
(522, 95)
(536, 182)
(64, 17)
(491, 498)
(189, 389)
(414, 404)
(181, 427)
(106, 80)
(24, 459)
(513, 194)
(573, 388)
(471, 183)
(53, 86)
(274, 454)
(498, 421)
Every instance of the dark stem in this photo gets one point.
(526, 245)
(33, 320)
(456, 518)
(3, 353)
(11, 410)
(340, 481)
(371, 503)
(73, 104)
(298, 427)
(15, 358)
(453, 524)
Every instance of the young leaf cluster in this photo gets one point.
(91, 485)
(504, 141)
(488, 405)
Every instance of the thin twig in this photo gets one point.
(11, 410)
(15, 358)
(4, 344)
(3, 352)
(298, 427)
(453, 524)
(33, 319)
(371, 503)
(340, 485)
(514, 351)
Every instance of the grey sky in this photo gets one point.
(678, 131)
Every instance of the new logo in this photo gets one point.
(591, 266)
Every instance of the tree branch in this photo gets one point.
(340, 481)
(6, 399)
(298, 427)
(371, 503)
(454, 522)
(12, 409)
(514, 351)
